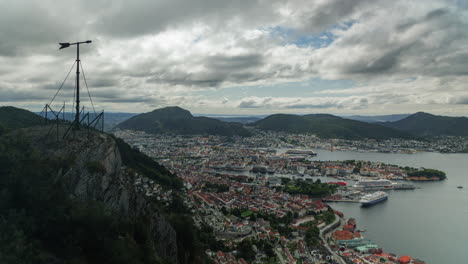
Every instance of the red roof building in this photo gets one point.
(404, 259)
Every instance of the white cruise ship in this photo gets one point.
(375, 184)
(373, 198)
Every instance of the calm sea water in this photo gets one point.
(430, 223)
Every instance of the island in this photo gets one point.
(424, 174)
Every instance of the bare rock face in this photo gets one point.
(95, 172)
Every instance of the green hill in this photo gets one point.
(424, 124)
(175, 120)
(327, 126)
(12, 117)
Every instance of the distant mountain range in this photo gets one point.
(424, 124)
(253, 118)
(12, 118)
(175, 120)
(327, 126)
(377, 118)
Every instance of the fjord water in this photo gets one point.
(430, 223)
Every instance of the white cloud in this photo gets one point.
(157, 53)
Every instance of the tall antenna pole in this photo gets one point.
(66, 45)
(77, 116)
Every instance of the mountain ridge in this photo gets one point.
(376, 118)
(176, 120)
(327, 126)
(12, 117)
(426, 124)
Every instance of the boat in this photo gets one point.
(373, 198)
(217, 166)
(341, 183)
(459, 186)
(404, 187)
(374, 184)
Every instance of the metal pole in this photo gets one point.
(57, 128)
(77, 117)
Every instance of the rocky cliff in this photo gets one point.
(91, 170)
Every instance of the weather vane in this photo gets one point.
(66, 45)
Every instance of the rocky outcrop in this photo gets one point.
(93, 171)
(96, 173)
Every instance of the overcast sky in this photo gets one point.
(240, 57)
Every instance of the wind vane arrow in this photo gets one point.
(64, 45)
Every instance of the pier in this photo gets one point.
(340, 200)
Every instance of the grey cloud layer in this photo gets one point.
(155, 52)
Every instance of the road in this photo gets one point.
(325, 243)
(280, 257)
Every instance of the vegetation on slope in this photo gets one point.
(315, 189)
(424, 124)
(175, 120)
(191, 241)
(40, 223)
(327, 126)
(12, 117)
(312, 236)
(145, 165)
(426, 173)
